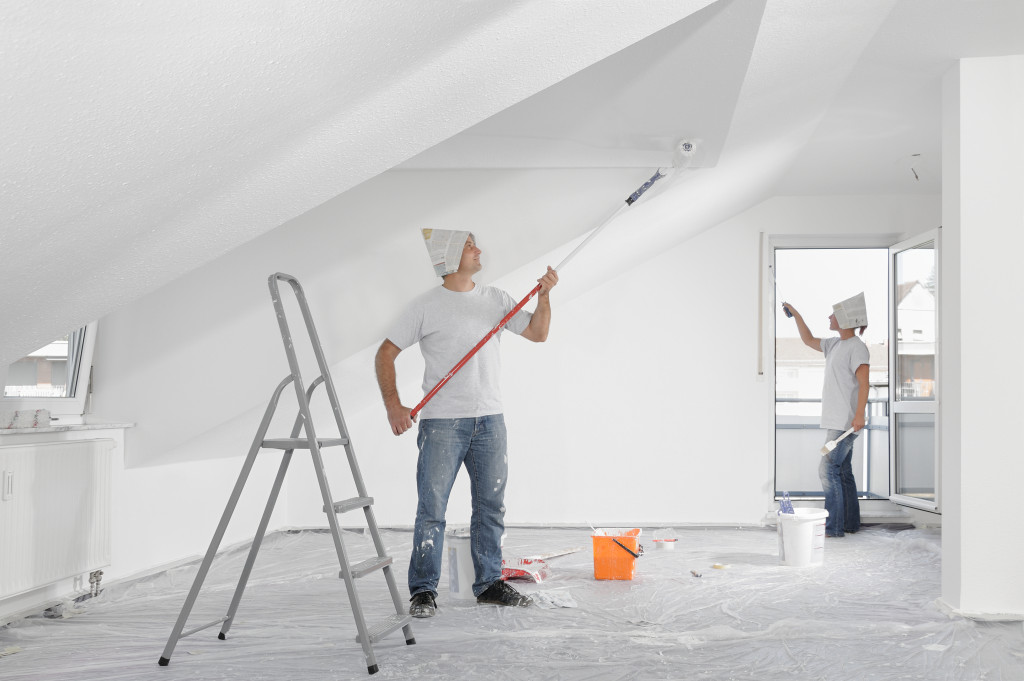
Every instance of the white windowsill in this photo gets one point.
(70, 427)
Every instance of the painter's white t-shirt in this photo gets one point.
(839, 394)
(447, 325)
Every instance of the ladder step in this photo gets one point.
(303, 443)
(381, 629)
(346, 505)
(204, 626)
(367, 566)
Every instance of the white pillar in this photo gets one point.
(982, 328)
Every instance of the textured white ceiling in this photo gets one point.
(140, 142)
(888, 109)
(628, 110)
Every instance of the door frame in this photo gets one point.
(769, 307)
(914, 407)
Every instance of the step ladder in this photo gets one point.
(303, 436)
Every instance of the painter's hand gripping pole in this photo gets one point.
(630, 200)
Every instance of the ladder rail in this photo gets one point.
(346, 572)
(339, 418)
(332, 394)
(303, 425)
(218, 535)
(396, 597)
(261, 531)
(314, 447)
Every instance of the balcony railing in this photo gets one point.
(798, 442)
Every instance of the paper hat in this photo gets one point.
(445, 248)
(852, 312)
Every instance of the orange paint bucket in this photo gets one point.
(615, 552)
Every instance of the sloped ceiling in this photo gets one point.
(626, 111)
(140, 143)
(885, 119)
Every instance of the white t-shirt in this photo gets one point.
(839, 394)
(447, 325)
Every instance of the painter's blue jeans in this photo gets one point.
(446, 445)
(836, 473)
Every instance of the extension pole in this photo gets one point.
(630, 200)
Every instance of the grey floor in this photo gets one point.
(869, 612)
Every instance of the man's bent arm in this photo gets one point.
(398, 415)
(537, 331)
(805, 333)
(863, 386)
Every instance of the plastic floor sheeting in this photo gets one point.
(870, 612)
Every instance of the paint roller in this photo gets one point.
(681, 157)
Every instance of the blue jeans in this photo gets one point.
(836, 473)
(446, 445)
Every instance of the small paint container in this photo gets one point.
(665, 544)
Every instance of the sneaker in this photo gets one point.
(423, 605)
(501, 592)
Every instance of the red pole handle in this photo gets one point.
(483, 341)
(629, 202)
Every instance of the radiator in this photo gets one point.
(55, 512)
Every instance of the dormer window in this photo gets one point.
(55, 377)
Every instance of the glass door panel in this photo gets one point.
(812, 279)
(914, 384)
(915, 456)
(916, 327)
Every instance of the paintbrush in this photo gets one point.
(831, 444)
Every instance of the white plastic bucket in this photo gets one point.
(461, 573)
(802, 537)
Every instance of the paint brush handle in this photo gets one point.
(848, 431)
(831, 444)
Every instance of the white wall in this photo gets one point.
(194, 363)
(206, 348)
(948, 418)
(644, 406)
(167, 513)
(983, 172)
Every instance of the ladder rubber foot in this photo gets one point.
(410, 641)
(164, 661)
(372, 669)
(222, 637)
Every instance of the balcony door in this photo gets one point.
(812, 278)
(913, 380)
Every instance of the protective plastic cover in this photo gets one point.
(869, 612)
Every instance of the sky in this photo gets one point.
(812, 280)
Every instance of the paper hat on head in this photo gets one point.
(445, 249)
(852, 312)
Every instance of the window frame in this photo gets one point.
(64, 410)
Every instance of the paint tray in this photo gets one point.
(615, 552)
(529, 569)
